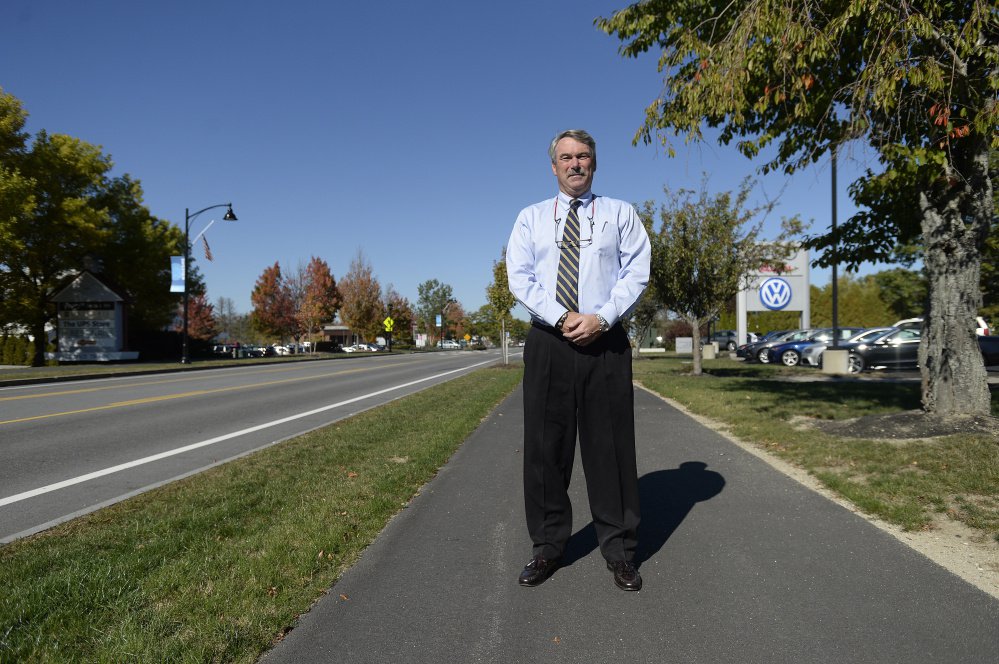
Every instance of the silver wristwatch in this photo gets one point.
(604, 325)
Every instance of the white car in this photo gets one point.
(981, 327)
(450, 344)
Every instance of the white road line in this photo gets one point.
(211, 441)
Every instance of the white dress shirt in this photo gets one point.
(613, 268)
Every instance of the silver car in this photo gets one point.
(812, 355)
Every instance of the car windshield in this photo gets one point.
(902, 335)
(870, 335)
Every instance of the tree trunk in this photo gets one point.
(40, 343)
(954, 225)
(695, 336)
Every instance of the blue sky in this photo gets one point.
(411, 132)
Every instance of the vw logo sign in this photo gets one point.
(775, 293)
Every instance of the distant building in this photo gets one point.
(339, 334)
(90, 322)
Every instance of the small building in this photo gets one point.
(90, 322)
(338, 334)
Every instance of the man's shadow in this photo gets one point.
(667, 497)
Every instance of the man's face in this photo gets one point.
(574, 166)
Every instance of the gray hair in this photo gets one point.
(577, 135)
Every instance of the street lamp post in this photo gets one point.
(188, 217)
(444, 320)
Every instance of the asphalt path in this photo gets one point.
(741, 564)
(72, 447)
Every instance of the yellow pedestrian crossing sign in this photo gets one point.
(388, 322)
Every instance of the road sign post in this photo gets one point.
(389, 323)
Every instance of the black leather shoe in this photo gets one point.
(626, 575)
(537, 571)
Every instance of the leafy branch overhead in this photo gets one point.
(792, 80)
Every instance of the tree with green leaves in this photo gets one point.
(62, 210)
(793, 80)
(859, 303)
(649, 309)
(361, 306)
(273, 312)
(401, 311)
(434, 299)
(501, 300)
(903, 291)
(705, 250)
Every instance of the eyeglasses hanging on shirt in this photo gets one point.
(583, 241)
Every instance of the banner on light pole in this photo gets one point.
(176, 274)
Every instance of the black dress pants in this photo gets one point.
(570, 389)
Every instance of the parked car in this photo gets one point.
(449, 344)
(990, 349)
(727, 339)
(812, 355)
(981, 326)
(281, 350)
(759, 351)
(747, 350)
(897, 349)
(724, 338)
(789, 352)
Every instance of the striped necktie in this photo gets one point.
(567, 289)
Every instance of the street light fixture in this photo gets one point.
(188, 217)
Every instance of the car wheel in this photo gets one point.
(762, 356)
(789, 358)
(855, 364)
(731, 345)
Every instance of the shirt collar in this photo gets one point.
(564, 199)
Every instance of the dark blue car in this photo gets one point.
(757, 352)
(789, 352)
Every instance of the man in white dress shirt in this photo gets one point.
(578, 263)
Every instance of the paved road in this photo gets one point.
(72, 447)
(741, 564)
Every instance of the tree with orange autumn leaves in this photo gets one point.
(361, 303)
(273, 312)
(319, 298)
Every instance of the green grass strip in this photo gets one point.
(905, 482)
(215, 567)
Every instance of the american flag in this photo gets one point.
(208, 250)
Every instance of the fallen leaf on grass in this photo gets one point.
(352, 474)
(272, 591)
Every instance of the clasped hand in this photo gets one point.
(581, 329)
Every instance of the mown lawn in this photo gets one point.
(906, 482)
